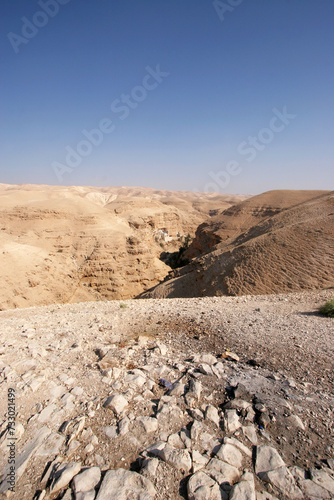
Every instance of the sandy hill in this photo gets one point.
(68, 244)
(268, 247)
(229, 223)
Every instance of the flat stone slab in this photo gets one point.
(321, 478)
(148, 424)
(230, 454)
(64, 476)
(313, 490)
(283, 480)
(238, 444)
(245, 490)
(125, 485)
(23, 458)
(267, 458)
(202, 487)
(52, 445)
(180, 459)
(199, 461)
(250, 432)
(82, 495)
(222, 472)
(46, 413)
(110, 431)
(211, 413)
(86, 480)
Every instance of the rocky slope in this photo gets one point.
(214, 398)
(260, 248)
(226, 226)
(68, 244)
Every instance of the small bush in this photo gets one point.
(328, 309)
(123, 306)
(176, 259)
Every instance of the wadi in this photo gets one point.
(166, 345)
(70, 244)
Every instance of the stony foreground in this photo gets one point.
(203, 399)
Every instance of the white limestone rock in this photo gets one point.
(231, 421)
(267, 459)
(117, 403)
(230, 454)
(125, 485)
(283, 480)
(86, 480)
(202, 487)
(64, 475)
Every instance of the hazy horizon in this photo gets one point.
(155, 188)
(226, 96)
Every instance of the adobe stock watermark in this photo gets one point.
(122, 107)
(250, 149)
(30, 28)
(11, 440)
(227, 6)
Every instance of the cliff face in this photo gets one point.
(68, 244)
(290, 250)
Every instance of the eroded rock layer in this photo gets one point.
(68, 244)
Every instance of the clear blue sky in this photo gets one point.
(224, 72)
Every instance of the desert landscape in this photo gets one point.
(166, 345)
(167, 250)
(70, 244)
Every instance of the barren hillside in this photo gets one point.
(289, 249)
(229, 223)
(68, 244)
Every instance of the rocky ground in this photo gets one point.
(206, 398)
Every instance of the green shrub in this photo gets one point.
(123, 306)
(328, 309)
(176, 259)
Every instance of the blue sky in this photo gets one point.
(229, 68)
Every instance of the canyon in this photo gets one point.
(70, 244)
